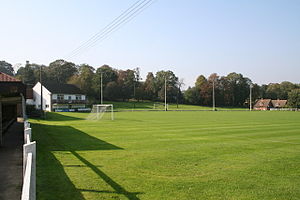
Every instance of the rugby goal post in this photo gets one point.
(98, 111)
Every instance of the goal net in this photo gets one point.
(98, 111)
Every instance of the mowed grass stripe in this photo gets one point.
(204, 124)
(153, 128)
(196, 127)
(212, 130)
(249, 133)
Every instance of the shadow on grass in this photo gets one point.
(67, 138)
(118, 188)
(52, 180)
(52, 116)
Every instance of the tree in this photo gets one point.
(285, 88)
(238, 88)
(278, 90)
(137, 86)
(30, 74)
(172, 81)
(108, 75)
(112, 91)
(136, 81)
(179, 96)
(273, 91)
(230, 90)
(225, 90)
(140, 93)
(26, 74)
(206, 94)
(294, 98)
(201, 80)
(6, 68)
(263, 91)
(149, 87)
(192, 96)
(256, 92)
(200, 84)
(84, 79)
(126, 81)
(61, 71)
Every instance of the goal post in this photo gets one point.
(98, 111)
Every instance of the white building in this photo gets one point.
(59, 97)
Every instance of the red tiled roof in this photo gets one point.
(7, 78)
(279, 103)
(265, 103)
(262, 103)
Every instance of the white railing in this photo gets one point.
(285, 109)
(29, 165)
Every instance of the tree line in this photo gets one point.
(118, 85)
(234, 90)
(122, 85)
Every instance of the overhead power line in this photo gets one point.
(129, 14)
(106, 27)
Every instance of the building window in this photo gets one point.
(70, 98)
(60, 97)
(78, 97)
(47, 106)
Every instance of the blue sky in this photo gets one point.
(260, 39)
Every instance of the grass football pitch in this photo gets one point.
(169, 155)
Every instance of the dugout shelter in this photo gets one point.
(12, 102)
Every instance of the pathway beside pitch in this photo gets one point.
(11, 163)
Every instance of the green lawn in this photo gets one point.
(149, 105)
(169, 155)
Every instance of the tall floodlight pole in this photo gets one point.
(133, 94)
(41, 91)
(214, 103)
(250, 106)
(166, 93)
(135, 83)
(101, 88)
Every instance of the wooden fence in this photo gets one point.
(29, 165)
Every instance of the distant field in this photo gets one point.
(169, 155)
(147, 105)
